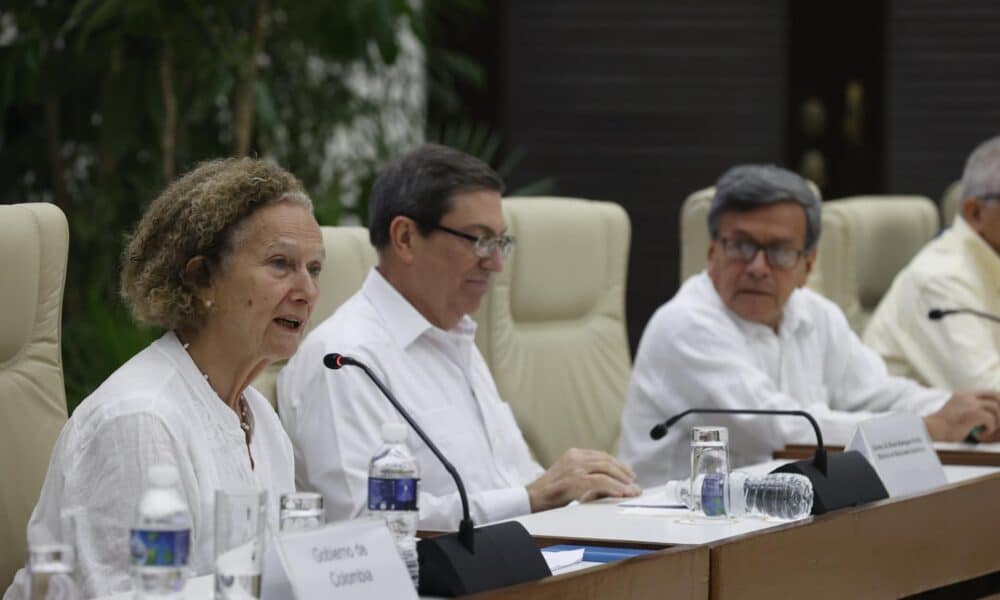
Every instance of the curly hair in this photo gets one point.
(199, 214)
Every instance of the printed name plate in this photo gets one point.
(901, 452)
(348, 560)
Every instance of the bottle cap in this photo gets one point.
(302, 501)
(51, 558)
(673, 491)
(701, 435)
(393, 433)
(736, 500)
(163, 475)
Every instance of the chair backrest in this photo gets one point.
(349, 257)
(951, 203)
(552, 326)
(884, 233)
(33, 243)
(694, 232)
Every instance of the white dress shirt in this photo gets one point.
(155, 409)
(696, 353)
(961, 352)
(335, 417)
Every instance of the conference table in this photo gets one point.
(888, 549)
(950, 453)
(893, 548)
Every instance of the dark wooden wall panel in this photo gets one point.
(943, 92)
(642, 103)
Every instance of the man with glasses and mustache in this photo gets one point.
(959, 269)
(746, 334)
(437, 224)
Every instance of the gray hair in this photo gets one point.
(981, 177)
(746, 187)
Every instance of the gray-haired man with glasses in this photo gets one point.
(958, 270)
(437, 224)
(746, 333)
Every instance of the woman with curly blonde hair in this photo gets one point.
(226, 259)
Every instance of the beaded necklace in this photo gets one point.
(243, 411)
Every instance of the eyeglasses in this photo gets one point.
(779, 257)
(484, 245)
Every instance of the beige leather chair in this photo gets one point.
(552, 327)
(951, 203)
(33, 246)
(694, 232)
(883, 233)
(349, 257)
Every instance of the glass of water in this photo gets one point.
(240, 526)
(709, 469)
(50, 573)
(301, 511)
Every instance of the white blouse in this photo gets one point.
(156, 409)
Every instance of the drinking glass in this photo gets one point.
(709, 469)
(50, 572)
(240, 526)
(301, 511)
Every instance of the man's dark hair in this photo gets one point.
(420, 185)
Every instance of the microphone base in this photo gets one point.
(850, 480)
(504, 555)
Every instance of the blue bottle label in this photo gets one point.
(392, 494)
(712, 488)
(160, 548)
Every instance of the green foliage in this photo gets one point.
(484, 142)
(104, 101)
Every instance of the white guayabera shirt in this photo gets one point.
(335, 417)
(696, 353)
(156, 409)
(961, 352)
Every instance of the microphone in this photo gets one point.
(476, 559)
(334, 362)
(839, 480)
(936, 314)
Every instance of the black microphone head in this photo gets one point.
(935, 314)
(658, 431)
(333, 361)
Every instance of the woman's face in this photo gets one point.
(267, 287)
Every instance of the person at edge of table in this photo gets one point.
(959, 269)
(226, 259)
(437, 225)
(745, 333)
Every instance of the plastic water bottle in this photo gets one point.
(392, 492)
(161, 538)
(781, 495)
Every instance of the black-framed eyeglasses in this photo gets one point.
(484, 245)
(779, 257)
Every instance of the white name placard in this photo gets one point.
(901, 452)
(348, 560)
